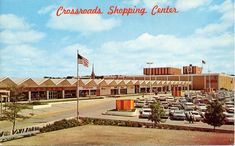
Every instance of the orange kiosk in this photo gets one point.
(125, 104)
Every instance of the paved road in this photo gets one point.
(88, 108)
(91, 108)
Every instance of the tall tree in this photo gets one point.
(156, 113)
(214, 114)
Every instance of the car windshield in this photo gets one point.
(229, 115)
(179, 112)
(174, 108)
(188, 103)
(146, 110)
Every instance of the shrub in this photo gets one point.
(62, 124)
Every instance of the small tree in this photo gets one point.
(13, 109)
(12, 112)
(214, 114)
(156, 113)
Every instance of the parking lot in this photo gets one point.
(189, 108)
(95, 108)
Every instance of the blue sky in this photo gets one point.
(34, 42)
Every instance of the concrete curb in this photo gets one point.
(158, 126)
(121, 113)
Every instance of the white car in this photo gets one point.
(201, 107)
(229, 118)
(197, 116)
(170, 99)
(172, 109)
(230, 110)
(188, 105)
(140, 103)
(178, 115)
(145, 112)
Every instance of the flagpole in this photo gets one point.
(77, 86)
(203, 77)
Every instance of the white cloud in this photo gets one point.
(168, 43)
(15, 30)
(166, 50)
(21, 52)
(47, 9)
(82, 23)
(22, 60)
(71, 50)
(10, 21)
(225, 22)
(31, 61)
(18, 37)
(185, 5)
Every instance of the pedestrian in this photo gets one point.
(188, 117)
(191, 117)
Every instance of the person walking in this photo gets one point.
(188, 117)
(191, 117)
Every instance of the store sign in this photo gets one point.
(5, 135)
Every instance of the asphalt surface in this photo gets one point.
(87, 108)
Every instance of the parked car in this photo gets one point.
(170, 99)
(166, 114)
(187, 110)
(229, 103)
(175, 104)
(197, 116)
(162, 98)
(229, 118)
(201, 107)
(145, 112)
(140, 103)
(150, 101)
(178, 115)
(188, 105)
(172, 110)
(230, 110)
(164, 104)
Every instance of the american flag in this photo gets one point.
(203, 62)
(83, 60)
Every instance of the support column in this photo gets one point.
(118, 90)
(8, 96)
(63, 94)
(29, 95)
(47, 95)
(89, 92)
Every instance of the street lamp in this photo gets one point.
(150, 88)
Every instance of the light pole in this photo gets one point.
(189, 69)
(209, 78)
(149, 63)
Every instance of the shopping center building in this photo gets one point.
(154, 79)
(48, 88)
